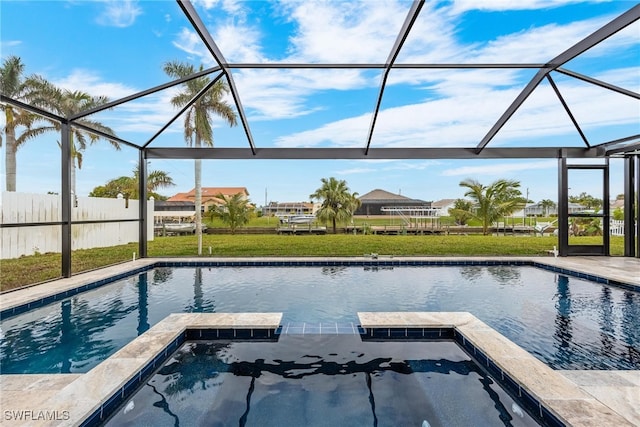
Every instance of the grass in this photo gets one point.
(38, 268)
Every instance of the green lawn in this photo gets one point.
(38, 268)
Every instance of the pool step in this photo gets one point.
(320, 328)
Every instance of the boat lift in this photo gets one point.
(416, 217)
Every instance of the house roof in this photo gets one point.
(383, 196)
(377, 195)
(618, 203)
(208, 194)
(214, 191)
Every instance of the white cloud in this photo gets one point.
(461, 6)
(354, 32)
(461, 120)
(229, 6)
(239, 43)
(501, 168)
(354, 171)
(539, 44)
(405, 166)
(147, 114)
(119, 13)
(4, 44)
(349, 132)
(628, 78)
(189, 42)
(453, 121)
(275, 94)
(92, 83)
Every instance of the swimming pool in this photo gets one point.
(317, 380)
(568, 322)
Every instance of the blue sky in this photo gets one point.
(117, 48)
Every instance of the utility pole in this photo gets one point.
(524, 210)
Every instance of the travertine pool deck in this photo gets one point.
(71, 399)
(582, 398)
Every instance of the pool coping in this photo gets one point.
(82, 399)
(22, 300)
(555, 393)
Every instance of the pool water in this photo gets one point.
(320, 380)
(567, 322)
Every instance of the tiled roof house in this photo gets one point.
(209, 196)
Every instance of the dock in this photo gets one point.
(304, 229)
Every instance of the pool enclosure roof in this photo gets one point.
(413, 79)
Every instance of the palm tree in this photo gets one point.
(547, 204)
(461, 211)
(73, 102)
(15, 86)
(493, 201)
(156, 179)
(197, 120)
(338, 203)
(66, 103)
(235, 211)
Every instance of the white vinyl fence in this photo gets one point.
(617, 228)
(33, 208)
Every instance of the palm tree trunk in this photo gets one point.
(334, 225)
(10, 159)
(72, 176)
(72, 179)
(198, 201)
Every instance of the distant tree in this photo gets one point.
(129, 186)
(493, 201)
(618, 214)
(462, 211)
(337, 202)
(587, 201)
(112, 188)
(197, 119)
(547, 204)
(235, 211)
(620, 196)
